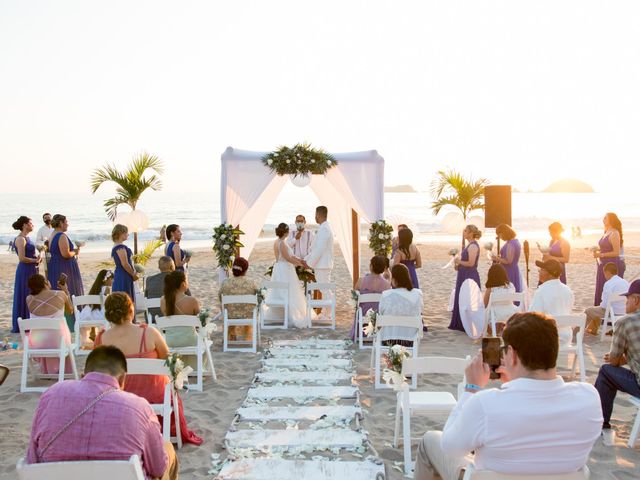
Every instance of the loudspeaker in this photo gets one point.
(497, 205)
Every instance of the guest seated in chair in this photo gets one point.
(239, 284)
(372, 282)
(498, 281)
(535, 424)
(614, 285)
(115, 425)
(403, 299)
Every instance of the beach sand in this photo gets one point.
(210, 413)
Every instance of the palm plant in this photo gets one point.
(131, 184)
(465, 194)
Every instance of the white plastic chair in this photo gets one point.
(472, 474)
(328, 300)
(203, 345)
(423, 402)
(63, 350)
(86, 301)
(276, 302)
(609, 315)
(571, 322)
(388, 325)
(633, 436)
(150, 303)
(360, 316)
(240, 322)
(151, 366)
(498, 298)
(92, 469)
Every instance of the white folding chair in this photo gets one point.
(89, 469)
(472, 474)
(151, 366)
(64, 348)
(240, 322)
(150, 303)
(395, 328)
(360, 316)
(497, 299)
(278, 302)
(423, 402)
(571, 322)
(609, 314)
(202, 346)
(328, 300)
(86, 301)
(633, 436)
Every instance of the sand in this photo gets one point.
(210, 413)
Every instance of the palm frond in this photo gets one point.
(111, 206)
(451, 188)
(441, 202)
(147, 252)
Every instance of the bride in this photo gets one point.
(284, 270)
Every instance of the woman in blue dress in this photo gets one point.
(467, 267)
(509, 254)
(559, 249)
(28, 263)
(173, 250)
(408, 254)
(125, 274)
(610, 251)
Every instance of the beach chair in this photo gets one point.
(151, 366)
(86, 301)
(388, 330)
(577, 349)
(282, 302)
(328, 300)
(91, 469)
(471, 473)
(633, 436)
(150, 303)
(497, 299)
(239, 322)
(425, 402)
(62, 351)
(360, 316)
(202, 346)
(609, 315)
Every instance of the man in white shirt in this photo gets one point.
(535, 424)
(614, 285)
(321, 256)
(42, 238)
(552, 297)
(300, 239)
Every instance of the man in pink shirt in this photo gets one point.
(106, 423)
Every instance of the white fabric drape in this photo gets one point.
(248, 191)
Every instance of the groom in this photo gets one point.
(321, 256)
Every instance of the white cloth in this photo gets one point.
(526, 427)
(471, 308)
(502, 310)
(615, 286)
(43, 234)
(402, 302)
(284, 271)
(321, 255)
(302, 246)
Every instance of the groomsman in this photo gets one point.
(300, 239)
(42, 239)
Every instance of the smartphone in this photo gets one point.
(62, 279)
(491, 355)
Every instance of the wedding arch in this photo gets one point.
(351, 190)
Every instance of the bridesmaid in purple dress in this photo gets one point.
(610, 251)
(173, 250)
(509, 254)
(467, 267)
(27, 265)
(408, 254)
(125, 275)
(559, 249)
(372, 282)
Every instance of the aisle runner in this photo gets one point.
(301, 419)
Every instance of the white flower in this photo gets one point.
(381, 236)
(226, 247)
(288, 161)
(223, 236)
(453, 251)
(299, 162)
(276, 154)
(368, 329)
(488, 246)
(270, 161)
(397, 349)
(313, 161)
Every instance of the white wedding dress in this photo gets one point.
(285, 271)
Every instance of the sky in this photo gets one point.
(521, 93)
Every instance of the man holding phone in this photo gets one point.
(534, 424)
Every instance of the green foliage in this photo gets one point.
(380, 238)
(451, 188)
(225, 243)
(301, 159)
(143, 257)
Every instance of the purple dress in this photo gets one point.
(606, 247)
(122, 281)
(370, 283)
(169, 253)
(555, 250)
(57, 265)
(411, 266)
(463, 274)
(20, 288)
(513, 271)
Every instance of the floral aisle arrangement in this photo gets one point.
(380, 237)
(261, 294)
(204, 315)
(299, 160)
(179, 373)
(394, 359)
(370, 328)
(225, 242)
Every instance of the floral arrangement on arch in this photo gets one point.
(301, 159)
(380, 238)
(225, 242)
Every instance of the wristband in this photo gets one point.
(472, 386)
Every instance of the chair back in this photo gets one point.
(614, 298)
(93, 469)
(505, 298)
(147, 366)
(40, 323)
(571, 321)
(239, 299)
(178, 321)
(437, 365)
(369, 298)
(83, 300)
(388, 327)
(320, 286)
(472, 474)
(151, 303)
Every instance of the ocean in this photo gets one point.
(198, 213)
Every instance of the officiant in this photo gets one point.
(300, 239)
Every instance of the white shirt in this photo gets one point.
(321, 255)
(615, 286)
(526, 427)
(43, 234)
(301, 247)
(553, 298)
